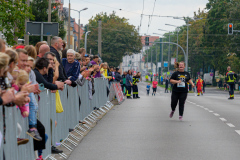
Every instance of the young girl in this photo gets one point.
(20, 77)
(154, 86)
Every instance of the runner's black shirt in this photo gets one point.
(184, 77)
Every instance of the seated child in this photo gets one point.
(20, 77)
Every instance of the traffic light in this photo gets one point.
(146, 41)
(230, 28)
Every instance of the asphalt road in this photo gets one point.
(140, 129)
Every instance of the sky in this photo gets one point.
(132, 10)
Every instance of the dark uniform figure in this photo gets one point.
(135, 87)
(230, 78)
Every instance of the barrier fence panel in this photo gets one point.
(84, 99)
(44, 115)
(1, 130)
(53, 132)
(73, 112)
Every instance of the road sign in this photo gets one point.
(42, 29)
(165, 64)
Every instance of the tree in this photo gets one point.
(13, 14)
(118, 38)
(41, 15)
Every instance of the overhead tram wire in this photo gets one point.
(110, 7)
(153, 10)
(141, 17)
(150, 17)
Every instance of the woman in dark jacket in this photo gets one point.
(118, 76)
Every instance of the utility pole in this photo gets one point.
(187, 49)
(79, 30)
(177, 46)
(151, 62)
(156, 62)
(162, 63)
(49, 19)
(26, 36)
(69, 26)
(169, 53)
(100, 37)
(147, 59)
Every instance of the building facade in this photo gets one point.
(137, 62)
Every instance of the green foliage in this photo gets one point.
(13, 14)
(209, 42)
(118, 38)
(40, 11)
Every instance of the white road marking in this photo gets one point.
(230, 124)
(223, 119)
(216, 114)
(206, 109)
(238, 131)
(210, 111)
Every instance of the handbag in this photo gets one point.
(59, 108)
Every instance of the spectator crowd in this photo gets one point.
(26, 70)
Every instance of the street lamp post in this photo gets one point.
(187, 21)
(79, 28)
(177, 38)
(147, 59)
(69, 26)
(168, 48)
(86, 40)
(161, 52)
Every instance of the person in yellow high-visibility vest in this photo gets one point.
(230, 78)
(135, 87)
(146, 77)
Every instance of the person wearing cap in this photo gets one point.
(72, 66)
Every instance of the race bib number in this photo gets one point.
(182, 84)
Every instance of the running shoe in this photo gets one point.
(230, 98)
(171, 114)
(34, 134)
(180, 118)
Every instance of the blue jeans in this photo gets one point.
(33, 107)
(40, 151)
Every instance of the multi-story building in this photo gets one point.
(74, 27)
(136, 62)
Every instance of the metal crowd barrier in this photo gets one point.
(47, 115)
